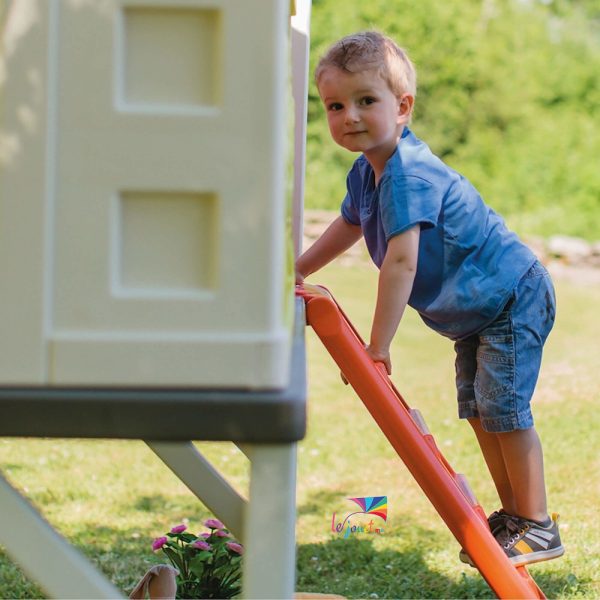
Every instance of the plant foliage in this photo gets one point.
(508, 94)
(209, 565)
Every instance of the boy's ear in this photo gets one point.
(405, 105)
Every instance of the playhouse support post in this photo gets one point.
(270, 554)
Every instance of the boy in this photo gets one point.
(441, 250)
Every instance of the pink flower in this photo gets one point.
(158, 543)
(200, 545)
(220, 533)
(214, 524)
(234, 547)
(179, 528)
(205, 535)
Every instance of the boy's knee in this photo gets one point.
(475, 423)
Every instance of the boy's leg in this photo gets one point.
(494, 459)
(523, 457)
(516, 464)
(508, 354)
(466, 369)
(508, 358)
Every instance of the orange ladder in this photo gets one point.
(405, 429)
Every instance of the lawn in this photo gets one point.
(112, 497)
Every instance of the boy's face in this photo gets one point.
(363, 113)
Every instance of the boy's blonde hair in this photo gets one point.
(372, 50)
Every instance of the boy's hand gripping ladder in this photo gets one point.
(407, 433)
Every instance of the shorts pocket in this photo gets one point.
(495, 365)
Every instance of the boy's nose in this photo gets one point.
(352, 116)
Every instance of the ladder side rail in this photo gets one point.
(421, 459)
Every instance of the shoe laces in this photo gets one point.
(513, 531)
(498, 520)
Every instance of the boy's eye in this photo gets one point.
(367, 100)
(334, 106)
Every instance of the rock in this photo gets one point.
(571, 249)
(594, 259)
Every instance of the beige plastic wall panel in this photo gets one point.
(300, 42)
(24, 199)
(165, 243)
(264, 148)
(253, 362)
(134, 168)
(170, 56)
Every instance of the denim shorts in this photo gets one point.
(497, 368)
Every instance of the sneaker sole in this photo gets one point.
(523, 559)
(535, 557)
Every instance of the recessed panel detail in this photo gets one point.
(165, 242)
(170, 57)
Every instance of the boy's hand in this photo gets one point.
(380, 356)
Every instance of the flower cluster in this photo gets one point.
(209, 564)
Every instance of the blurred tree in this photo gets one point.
(509, 95)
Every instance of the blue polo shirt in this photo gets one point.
(469, 262)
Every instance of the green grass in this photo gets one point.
(110, 498)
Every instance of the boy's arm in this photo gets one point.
(339, 236)
(396, 278)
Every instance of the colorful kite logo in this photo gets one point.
(373, 505)
(370, 505)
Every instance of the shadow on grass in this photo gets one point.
(122, 555)
(564, 584)
(355, 568)
(318, 499)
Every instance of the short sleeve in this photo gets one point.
(350, 209)
(349, 213)
(406, 201)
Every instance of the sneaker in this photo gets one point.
(527, 542)
(496, 521)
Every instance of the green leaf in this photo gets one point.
(199, 564)
(175, 559)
